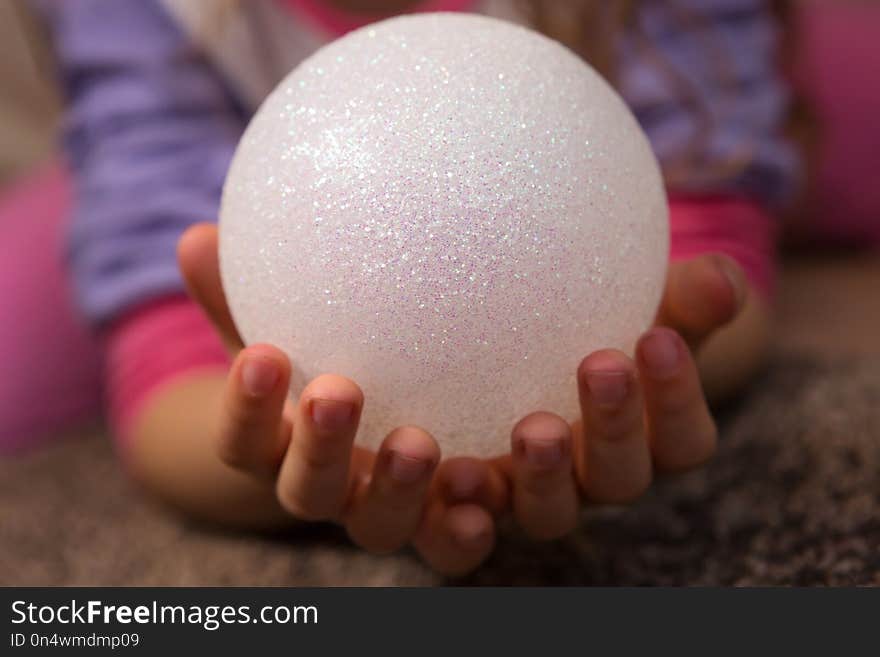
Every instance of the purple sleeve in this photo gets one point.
(150, 129)
(702, 77)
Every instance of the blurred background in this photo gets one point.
(30, 106)
(825, 370)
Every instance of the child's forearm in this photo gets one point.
(172, 452)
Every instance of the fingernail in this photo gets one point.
(733, 277)
(406, 469)
(330, 414)
(543, 453)
(464, 485)
(661, 353)
(472, 538)
(608, 388)
(259, 376)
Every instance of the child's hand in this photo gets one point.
(640, 417)
(385, 500)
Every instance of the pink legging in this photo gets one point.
(52, 371)
(50, 364)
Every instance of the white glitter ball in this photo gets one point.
(452, 211)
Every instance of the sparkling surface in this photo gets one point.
(451, 210)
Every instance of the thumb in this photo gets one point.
(702, 294)
(198, 259)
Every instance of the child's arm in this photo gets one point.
(150, 129)
(702, 78)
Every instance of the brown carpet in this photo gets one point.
(792, 498)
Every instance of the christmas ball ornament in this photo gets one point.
(452, 211)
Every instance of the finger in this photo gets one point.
(681, 429)
(197, 256)
(545, 495)
(454, 540)
(386, 515)
(457, 532)
(254, 436)
(702, 294)
(612, 456)
(314, 479)
(463, 480)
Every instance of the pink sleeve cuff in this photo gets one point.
(337, 22)
(152, 346)
(737, 227)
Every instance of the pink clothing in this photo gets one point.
(836, 71)
(734, 226)
(336, 22)
(150, 348)
(50, 363)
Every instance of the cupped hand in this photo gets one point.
(400, 495)
(640, 416)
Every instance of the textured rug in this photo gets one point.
(793, 498)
